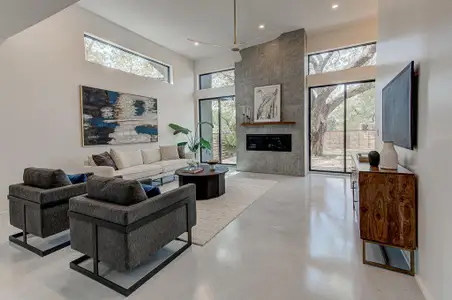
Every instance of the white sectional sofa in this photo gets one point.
(138, 164)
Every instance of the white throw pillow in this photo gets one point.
(169, 152)
(151, 156)
(127, 159)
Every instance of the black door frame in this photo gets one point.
(345, 84)
(219, 124)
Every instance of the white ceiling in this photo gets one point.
(170, 22)
(17, 15)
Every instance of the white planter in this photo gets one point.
(388, 157)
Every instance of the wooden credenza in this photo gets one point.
(387, 206)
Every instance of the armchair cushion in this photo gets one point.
(125, 215)
(151, 191)
(115, 190)
(77, 178)
(46, 196)
(45, 178)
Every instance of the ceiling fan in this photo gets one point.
(235, 48)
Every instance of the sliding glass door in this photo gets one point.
(342, 123)
(221, 113)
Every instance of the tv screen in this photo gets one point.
(398, 109)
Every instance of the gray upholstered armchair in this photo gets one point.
(39, 206)
(116, 224)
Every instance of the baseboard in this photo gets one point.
(423, 288)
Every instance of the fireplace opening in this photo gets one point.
(269, 142)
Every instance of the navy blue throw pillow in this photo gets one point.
(77, 178)
(151, 191)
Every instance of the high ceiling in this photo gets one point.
(17, 15)
(170, 22)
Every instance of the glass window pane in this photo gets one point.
(111, 56)
(327, 128)
(209, 112)
(217, 79)
(360, 118)
(343, 59)
(221, 113)
(228, 131)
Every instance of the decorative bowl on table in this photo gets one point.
(193, 164)
(212, 164)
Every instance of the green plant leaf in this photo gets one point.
(205, 144)
(179, 129)
(206, 123)
(182, 144)
(195, 147)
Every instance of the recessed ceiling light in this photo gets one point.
(335, 6)
(196, 43)
(262, 26)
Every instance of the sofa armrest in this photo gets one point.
(104, 171)
(126, 215)
(43, 196)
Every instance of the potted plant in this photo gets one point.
(194, 142)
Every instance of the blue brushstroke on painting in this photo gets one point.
(99, 122)
(113, 97)
(146, 130)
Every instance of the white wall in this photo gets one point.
(349, 34)
(41, 70)
(420, 31)
(346, 35)
(17, 15)
(209, 65)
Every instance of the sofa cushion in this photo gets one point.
(169, 152)
(45, 178)
(126, 159)
(104, 160)
(151, 155)
(172, 165)
(139, 172)
(90, 162)
(115, 190)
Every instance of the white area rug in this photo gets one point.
(215, 214)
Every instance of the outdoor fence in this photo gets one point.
(356, 140)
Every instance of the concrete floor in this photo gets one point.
(298, 241)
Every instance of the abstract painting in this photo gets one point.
(267, 103)
(114, 118)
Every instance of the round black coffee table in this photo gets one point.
(209, 184)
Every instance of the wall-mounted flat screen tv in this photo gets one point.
(399, 109)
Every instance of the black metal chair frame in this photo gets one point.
(15, 238)
(75, 265)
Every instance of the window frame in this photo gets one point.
(337, 49)
(121, 48)
(210, 73)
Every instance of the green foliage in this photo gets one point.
(194, 142)
(179, 129)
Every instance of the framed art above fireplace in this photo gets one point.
(267, 103)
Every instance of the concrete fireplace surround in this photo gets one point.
(281, 61)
